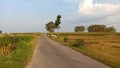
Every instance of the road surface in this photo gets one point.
(51, 54)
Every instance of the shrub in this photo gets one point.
(78, 42)
(65, 39)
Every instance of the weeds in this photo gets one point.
(104, 47)
(21, 54)
(78, 42)
(65, 39)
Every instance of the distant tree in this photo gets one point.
(58, 22)
(79, 29)
(0, 31)
(50, 26)
(110, 29)
(97, 28)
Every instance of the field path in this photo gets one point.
(51, 54)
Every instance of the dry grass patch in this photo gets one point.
(104, 47)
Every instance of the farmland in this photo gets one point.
(104, 47)
(16, 49)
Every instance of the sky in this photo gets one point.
(32, 15)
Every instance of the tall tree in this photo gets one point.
(0, 31)
(58, 22)
(111, 29)
(50, 26)
(79, 29)
(97, 28)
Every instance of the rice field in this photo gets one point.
(104, 47)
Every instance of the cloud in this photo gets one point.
(87, 7)
(90, 13)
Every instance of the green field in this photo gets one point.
(17, 49)
(104, 47)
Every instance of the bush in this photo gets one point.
(65, 39)
(6, 40)
(78, 42)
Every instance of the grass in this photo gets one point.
(104, 47)
(22, 53)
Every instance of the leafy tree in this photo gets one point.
(0, 31)
(58, 22)
(110, 29)
(79, 29)
(97, 28)
(50, 26)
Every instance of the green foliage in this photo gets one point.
(18, 58)
(5, 40)
(0, 31)
(65, 39)
(58, 22)
(100, 28)
(79, 29)
(97, 28)
(110, 29)
(78, 42)
(50, 26)
(22, 53)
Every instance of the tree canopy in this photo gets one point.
(0, 31)
(79, 29)
(100, 28)
(58, 22)
(50, 26)
(111, 29)
(97, 28)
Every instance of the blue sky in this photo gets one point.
(32, 15)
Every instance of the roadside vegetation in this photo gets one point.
(16, 49)
(97, 41)
(101, 46)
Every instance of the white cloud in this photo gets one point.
(105, 13)
(87, 7)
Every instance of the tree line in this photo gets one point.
(51, 26)
(95, 28)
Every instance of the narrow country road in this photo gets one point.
(51, 54)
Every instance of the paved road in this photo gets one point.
(50, 54)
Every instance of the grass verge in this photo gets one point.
(20, 56)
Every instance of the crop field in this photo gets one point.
(16, 49)
(104, 47)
